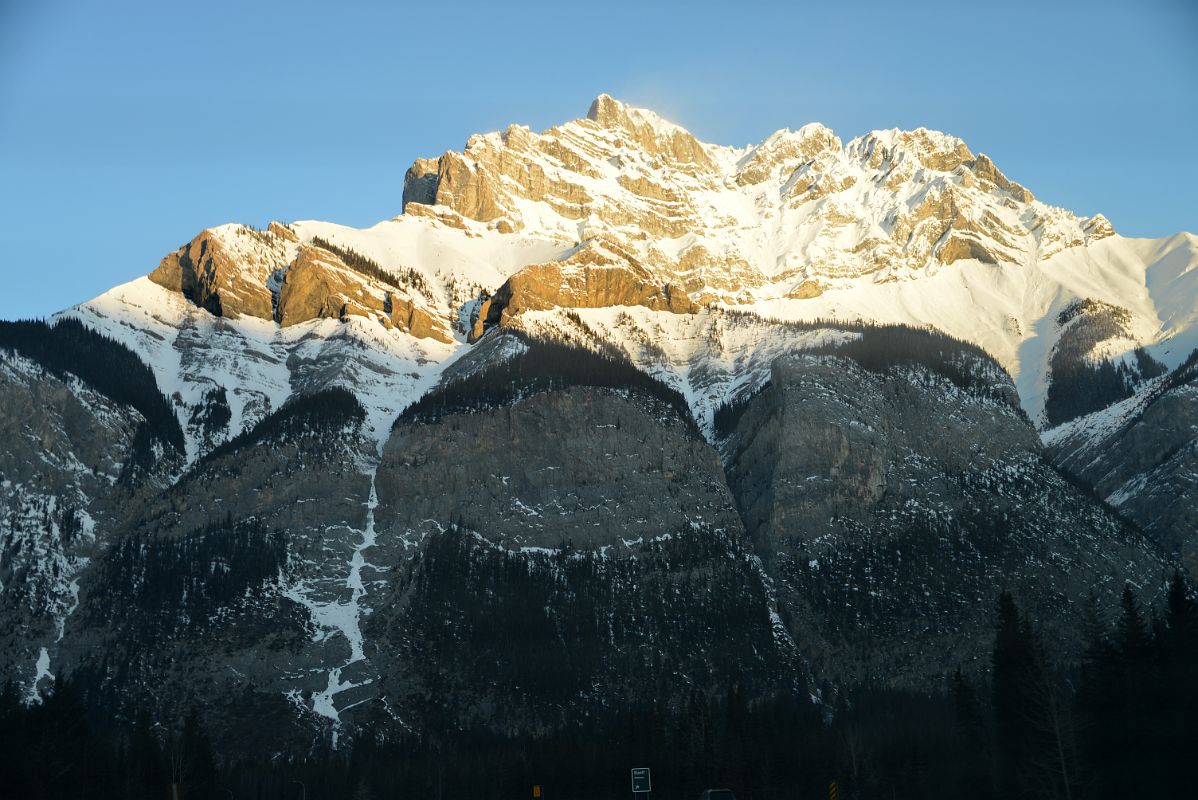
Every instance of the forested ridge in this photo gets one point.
(157, 584)
(1121, 723)
(1080, 384)
(107, 366)
(544, 365)
(546, 630)
(311, 413)
(883, 348)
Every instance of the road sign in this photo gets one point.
(833, 791)
(536, 792)
(640, 780)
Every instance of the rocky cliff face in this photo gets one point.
(237, 589)
(543, 524)
(66, 447)
(892, 504)
(236, 271)
(521, 486)
(291, 578)
(599, 274)
(319, 284)
(226, 271)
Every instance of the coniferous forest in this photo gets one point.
(68, 347)
(1121, 723)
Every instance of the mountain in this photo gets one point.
(606, 411)
(1140, 455)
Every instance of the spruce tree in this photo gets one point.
(1010, 693)
(970, 726)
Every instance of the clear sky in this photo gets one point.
(127, 127)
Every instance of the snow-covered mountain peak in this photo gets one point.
(609, 112)
(932, 149)
(789, 215)
(623, 209)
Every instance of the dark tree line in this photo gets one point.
(312, 413)
(105, 365)
(213, 412)
(1079, 387)
(159, 583)
(1121, 723)
(60, 748)
(544, 632)
(1185, 373)
(883, 348)
(1137, 701)
(400, 276)
(544, 366)
(729, 412)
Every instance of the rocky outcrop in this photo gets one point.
(654, 135)
(319, 285)
(799, 208)
(234, 271)
(596, 275)
(1098, 227)
(786, 151)
(495, 173)
(990, 175)
(890, 149)
(956, 248)
(226, 270)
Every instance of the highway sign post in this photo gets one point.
(640, 781)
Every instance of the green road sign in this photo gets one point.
(640, 779)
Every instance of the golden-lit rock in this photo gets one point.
(320, 286)
(599, 274)
(225, 270)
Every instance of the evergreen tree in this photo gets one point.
(200, 772)
(975, 779)
(1177, 709)
(1011, 699)
(145, 774)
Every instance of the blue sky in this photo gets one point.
(126, 127)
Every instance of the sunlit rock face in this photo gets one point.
(741, 224)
